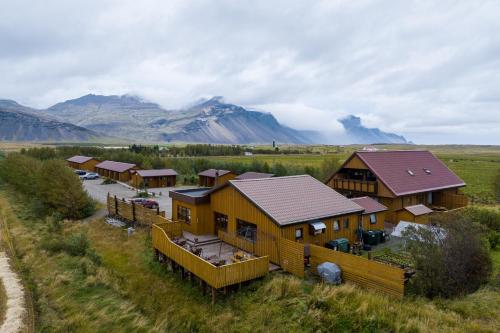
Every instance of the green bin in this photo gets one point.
(339, 244)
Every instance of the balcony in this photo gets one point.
(362, 186)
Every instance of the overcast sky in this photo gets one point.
(429, 70)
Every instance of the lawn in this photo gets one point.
(129, 292)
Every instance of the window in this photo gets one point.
(246, 230)
(429, 198)
(299, 233)
(336, 225)
(427, 171)
(346, 223)
(220, 221)
(411, 173)
(373, 218)
(184, 214)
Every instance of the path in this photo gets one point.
(15, 310)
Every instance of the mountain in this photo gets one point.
(20, 123)
(210, 121)
(357, 133)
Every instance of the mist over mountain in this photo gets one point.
(206, 121)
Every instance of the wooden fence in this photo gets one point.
(133, 212)
(292, 257)
(366, 273)
(216, 277)
(452, 201)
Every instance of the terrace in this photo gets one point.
(362, 186)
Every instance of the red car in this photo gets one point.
(148, 203)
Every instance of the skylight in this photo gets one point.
(411, 173)
(427, 171)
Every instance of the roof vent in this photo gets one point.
(427, 171)
(411, 173)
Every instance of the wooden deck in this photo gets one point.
(215, 276)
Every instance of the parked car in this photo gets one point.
(90, 175)
(148, 203)
(80, 172)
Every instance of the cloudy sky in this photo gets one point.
(429, 70)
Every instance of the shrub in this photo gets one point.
(52, 244)
(450, 259)
(108, 181)
(489, 219)
(77, 244)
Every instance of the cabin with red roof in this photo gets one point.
(82, 163)
(400, 180)
(213, 177)
(154, 178)
(119, 171)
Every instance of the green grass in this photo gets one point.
(3, 302)
(129, 292)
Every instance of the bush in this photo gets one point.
(451, 259)
(489, 219)
(77, 244)
(52, 244)
(108, 181)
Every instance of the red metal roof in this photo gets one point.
(157, 173)
(115, 166)
(370, 205)
(254, 175)
(79, 159)
(409, 171)
(418, 210)
(295, 199)
(211, 173)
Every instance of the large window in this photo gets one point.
(246, 230)
(220, 221)
(184, 214)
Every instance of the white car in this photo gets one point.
(90, 175)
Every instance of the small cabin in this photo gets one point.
(213, 177)
(373, 216)
(86, 163)
(253, 175)
(116, 170)
(154, 178)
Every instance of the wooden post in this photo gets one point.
(133, 211)
(369, 255)
(204, 287)
(158, 210)
(213, 295)
(116, 205)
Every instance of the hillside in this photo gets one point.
(16, 124)
(357, 133)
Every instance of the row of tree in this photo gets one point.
(51, 187)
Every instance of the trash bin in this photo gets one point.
(370, 237)
(339, 244)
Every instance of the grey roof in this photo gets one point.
(418, 210)
(115, 166)
(79, 159)
(254, 175)
(211, 173)
(157, 173)
(370, 205)
(295, 199)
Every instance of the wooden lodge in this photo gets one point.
(116, 170)
(82, 163)
(400, 180)
(373, 215)
(213, 177)
(154, 178)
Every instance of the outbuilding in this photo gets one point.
(116, 170)
(416, 213)
(82, 163)
(373, 215)
(213, 177)
(154, 178)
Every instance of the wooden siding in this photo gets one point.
(366, 273)
(354, 185)
(292, 257)
(205, 181)
(201, 217)
(119, 176)
(288, 232)
(404, 215)
(379, 225)
(216, 277)
(87, 166)
(230, 202)
(161, 181)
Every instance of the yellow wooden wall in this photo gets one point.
(404, 215)
(377, 226)
(230, 202)
(138, 181)
(88, 166)
(202, 221)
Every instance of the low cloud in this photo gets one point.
(427, 70)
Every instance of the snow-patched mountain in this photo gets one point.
(210, 121)
(20, 123)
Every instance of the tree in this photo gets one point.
(450, 259)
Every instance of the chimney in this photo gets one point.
(216, 178)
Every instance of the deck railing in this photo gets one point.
(215, 276)
(355, 185)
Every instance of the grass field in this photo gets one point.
(3, 302)
(129, 292)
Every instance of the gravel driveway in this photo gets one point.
(99, 192)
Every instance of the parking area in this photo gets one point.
(99, 192)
